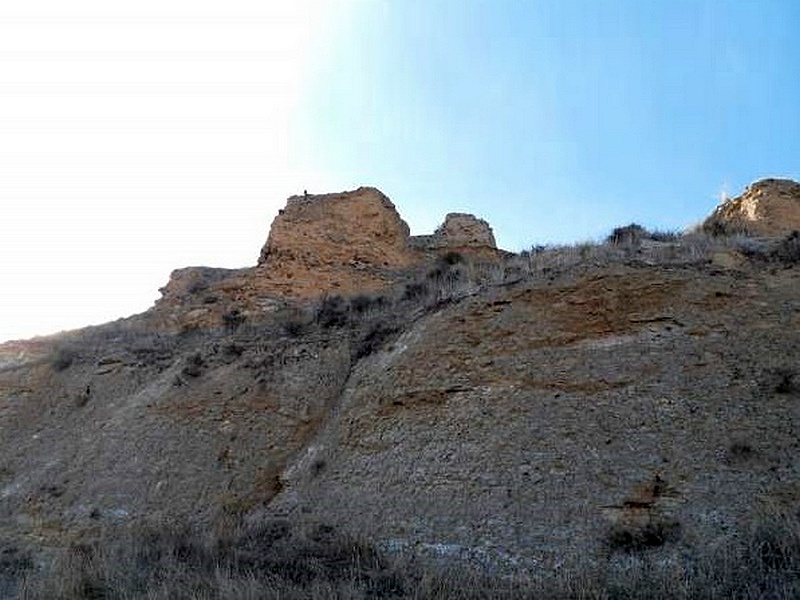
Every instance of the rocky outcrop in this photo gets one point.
(770, 208)
(464, 230)
(345, 229)
(318, 244)
(339, 243)
(193, 282)
(459, 231)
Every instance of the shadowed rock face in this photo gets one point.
(770, 207)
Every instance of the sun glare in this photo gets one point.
(124, 128)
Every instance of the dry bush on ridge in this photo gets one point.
(63, 357)
(716, 226)
(454, 276)
(332, 312)
(785, 252)
(634, 234)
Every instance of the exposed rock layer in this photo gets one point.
(459, 231)
(351, 228)
(517, 424)
(514, 424)
(319, 244)
(770, 207)
(463, 230)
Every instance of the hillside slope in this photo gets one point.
(514, 411)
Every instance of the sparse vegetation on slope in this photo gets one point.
(282, 559)
(490, 425)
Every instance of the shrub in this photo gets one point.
(447, 268)
(233, 319)
(634, 234)
(444, 274)
(739, 452)
(776, 549)
(451, 258)
(63, 357)
(629, 235)
(294, 321)
(332, 312)
(194, 365)
(374, 339)
(634, 537)
(363, 303)
(664, 236)
(14, 565)
(197, 287)
(233, 349)
(784, 252)
(415, 290)
(785, 381)
(152, 351)
(82, 398)
(318, 466)
(294, 327)
(787, 251)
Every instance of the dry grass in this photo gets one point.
(281, 559)
(272, 560)
(784, 251)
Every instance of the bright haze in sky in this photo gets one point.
(136, 138)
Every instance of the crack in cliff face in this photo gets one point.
(369, 340)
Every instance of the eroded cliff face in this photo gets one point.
(512, 412)
(462, 230)
(459, 232)
(770, 207)
(318, 244)
(348, 229)
(334, 243)
(514, 424)
(537, 417)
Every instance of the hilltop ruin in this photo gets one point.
(318, 244)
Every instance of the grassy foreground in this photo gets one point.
(279, 559)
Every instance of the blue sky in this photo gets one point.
(559, 120)
(138, 138)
